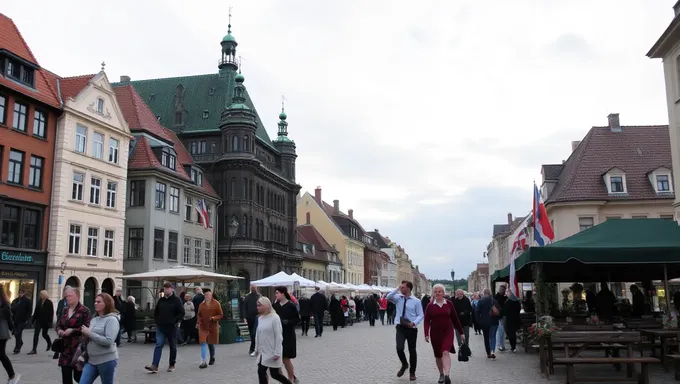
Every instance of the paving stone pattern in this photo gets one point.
(359, 354)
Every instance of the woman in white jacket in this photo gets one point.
(268, 343)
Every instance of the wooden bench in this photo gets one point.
(643, 377)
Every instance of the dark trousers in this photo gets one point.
(382, 316)
(410, 336)
(189, 327)
(6, 363)
(371, 319)
(274, 372)
(45, 335)
(68, 374)
(511, 331)
(18, 335)
(252, 328)
(304, 324)
(485, 333)
(318, 323)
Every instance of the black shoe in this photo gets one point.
(447, 380)
(402, 370)
(212, 361)
(33, 352)
(16, 352)
(203, 365)
(49, 347)
(55, 356)
(315, 336)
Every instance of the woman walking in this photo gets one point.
(488, 315)
(269, 343)
(189, 321)
(130, 319)
(209, 313)
(382, 308)
(102, 351)
(289, 316)
(475, 322)
(335, 310)
(464, 311)
(69, 329)
(513, 321)
(6, 329)
(42, 321)
(440, 321)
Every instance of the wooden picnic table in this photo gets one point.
(664, 335)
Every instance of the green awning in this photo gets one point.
(616, 250)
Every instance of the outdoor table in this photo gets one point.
(663, 335)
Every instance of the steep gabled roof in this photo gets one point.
(309, 233)
(636, 149)
(381, 240)
(138, 115)
(71, 86)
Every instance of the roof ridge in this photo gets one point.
(170, 78)
(576, 156)
(77, 76)
(23, 41)
(634, 126)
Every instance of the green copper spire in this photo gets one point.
(283, 124)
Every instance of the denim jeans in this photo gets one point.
(500, 334)
(204, 351)
(105, 371)
(493, 330)
(161, 338)
(318, 323)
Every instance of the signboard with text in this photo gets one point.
(19, 257)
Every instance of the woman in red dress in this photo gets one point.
(440, 320)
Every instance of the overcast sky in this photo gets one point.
(430, 119)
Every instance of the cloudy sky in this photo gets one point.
(429, 119)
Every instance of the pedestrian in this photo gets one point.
(475, 322)
(409, 312)
(335, 309)
(391, 312)
(167, 314)
(60, 311)
(371, 307)
(464, 311)
(120, 307)
(488, 314)
(189, 319)
(21, 314)
(513, 321)
(289, 316)
(250, 311)
(102, 349)
(269, 343)
(42, 321)
(319, 307)
(69, 329)
(382, 309)
(501, 297)
(130, 322)
(305, 313)
(209, 314)
(6, 329)
(440, 320)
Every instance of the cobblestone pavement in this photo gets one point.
(358, 354)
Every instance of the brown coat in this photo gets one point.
(208, 316)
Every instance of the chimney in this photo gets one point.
(351, 213)
(336, 206)
(509, 218)
(614, 123)
(676, 8)
(125, 79)
(376, 230)
(574, 144)
(309, 220)
(317, 195)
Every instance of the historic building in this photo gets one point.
(29, 108)
(170, 205)
(388, 276)
(215, 118)
(404, 267)
(498, 249)
(479, 278)
(321, 261)
(88, 196)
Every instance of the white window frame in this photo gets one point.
(198, 248)
(114, 150)
(100, 105)
(187, 250)
(81, 139)
(77, 187)
(174, 199)
(74, 236)
(188, 208)
(92, 241)
(111, 194)
(207, 261)
(623, 181)
(98, 145)
(670, 182)
(109, 236)
(95, 190)
(581, 225)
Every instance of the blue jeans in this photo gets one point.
(204, 351)
(500, 335)
(105, 371)
(161, 338)
(492, 336)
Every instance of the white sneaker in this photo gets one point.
(253, 354)
(15, 380)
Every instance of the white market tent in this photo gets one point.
(181, 274)
(281, 278)
(304, 283)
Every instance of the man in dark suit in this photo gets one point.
(120, 304)
(319, 306)
(21, 313)
(42, 321)
(250, 313)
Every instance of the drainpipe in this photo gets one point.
(216, 235)
(54, 163)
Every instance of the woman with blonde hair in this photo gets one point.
(42, 321)
(440, 320)
(269, 343)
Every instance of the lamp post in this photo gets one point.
(453, 280)
(232, 228)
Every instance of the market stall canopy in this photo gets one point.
(180, 274)
(303, 281)
(281, 278)
(616, 250)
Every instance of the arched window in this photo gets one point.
(234, 143)
(232, 188)
(245, 188)
(246, 144)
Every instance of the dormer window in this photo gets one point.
(616, 184)
(615, 179)
(197, 177)
(663, 183)
(21, 73)
(168, 160)
(661, 180)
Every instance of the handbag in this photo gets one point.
(403, 321)
(58, 345)
(494, 312)
(464, 353)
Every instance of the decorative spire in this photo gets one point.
(103, 65)
(283, 124)
(229, 25)
(282, 115)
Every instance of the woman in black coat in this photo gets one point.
(463, 308)
(336, 313)
(42, 321)
(513, 321)
(130, 319)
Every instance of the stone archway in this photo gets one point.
(108, 286)
(73, 282)
(89, 292)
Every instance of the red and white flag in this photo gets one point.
(517, 248)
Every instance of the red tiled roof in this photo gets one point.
(71, 86)
(312, 236)
(330, 211)
(137, 114)
(637, 150)
(185, 158)
(142, 156)
(12, 41)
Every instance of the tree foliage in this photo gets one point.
(451, 284)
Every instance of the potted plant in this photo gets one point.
(545, 326)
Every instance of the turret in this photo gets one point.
(238, 122)
(285, 145)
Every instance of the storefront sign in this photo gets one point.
(15, 274)
(17, 257)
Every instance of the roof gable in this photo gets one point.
(137, 114)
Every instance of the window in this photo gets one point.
(234, 143)
(197, 251)
(158, 239)
(245, 188)
(246, 146)
(77, 188)
(35, 174)
(111, 188)
(98, 145)
(74, 239)
(137, 193)
(613, 217)
(164, 159)
(244, 229)
(187, 250)
(3, 107)
(208, 253)
(667, 217)
(232, 188)
(174, 199)
(81, 138)
(173, 162)
(178, 118)
(662, 183)
(31, 233)
(585, 223)
(19, 121)
(39, 122)
(113, 150)
(95, 190)
(108, 243)
(160, 195)
(135, 243)
(194, 147)
(100, 106)
(616, 184)
(16, 167)
(92, 238)
(172, 246)
(188, 208)
(10, 226)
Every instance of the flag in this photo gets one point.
(517, 248)
(202, 210)
(542, 229)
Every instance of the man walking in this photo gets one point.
(409, 315)
(42, 321)
(120, 307)
(319, 307)
(250, 312)
(500, 335)
(168, 313)
(21, 313)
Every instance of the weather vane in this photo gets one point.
(103, 65)
(283, 101)
(230, 8)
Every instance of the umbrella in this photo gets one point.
(180, 274)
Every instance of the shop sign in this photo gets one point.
(14, 274)
(21, 257)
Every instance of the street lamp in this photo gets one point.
(453, 279)
(232, 228)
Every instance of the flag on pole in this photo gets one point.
(202, 210)
(517, 248)
(543, 231)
